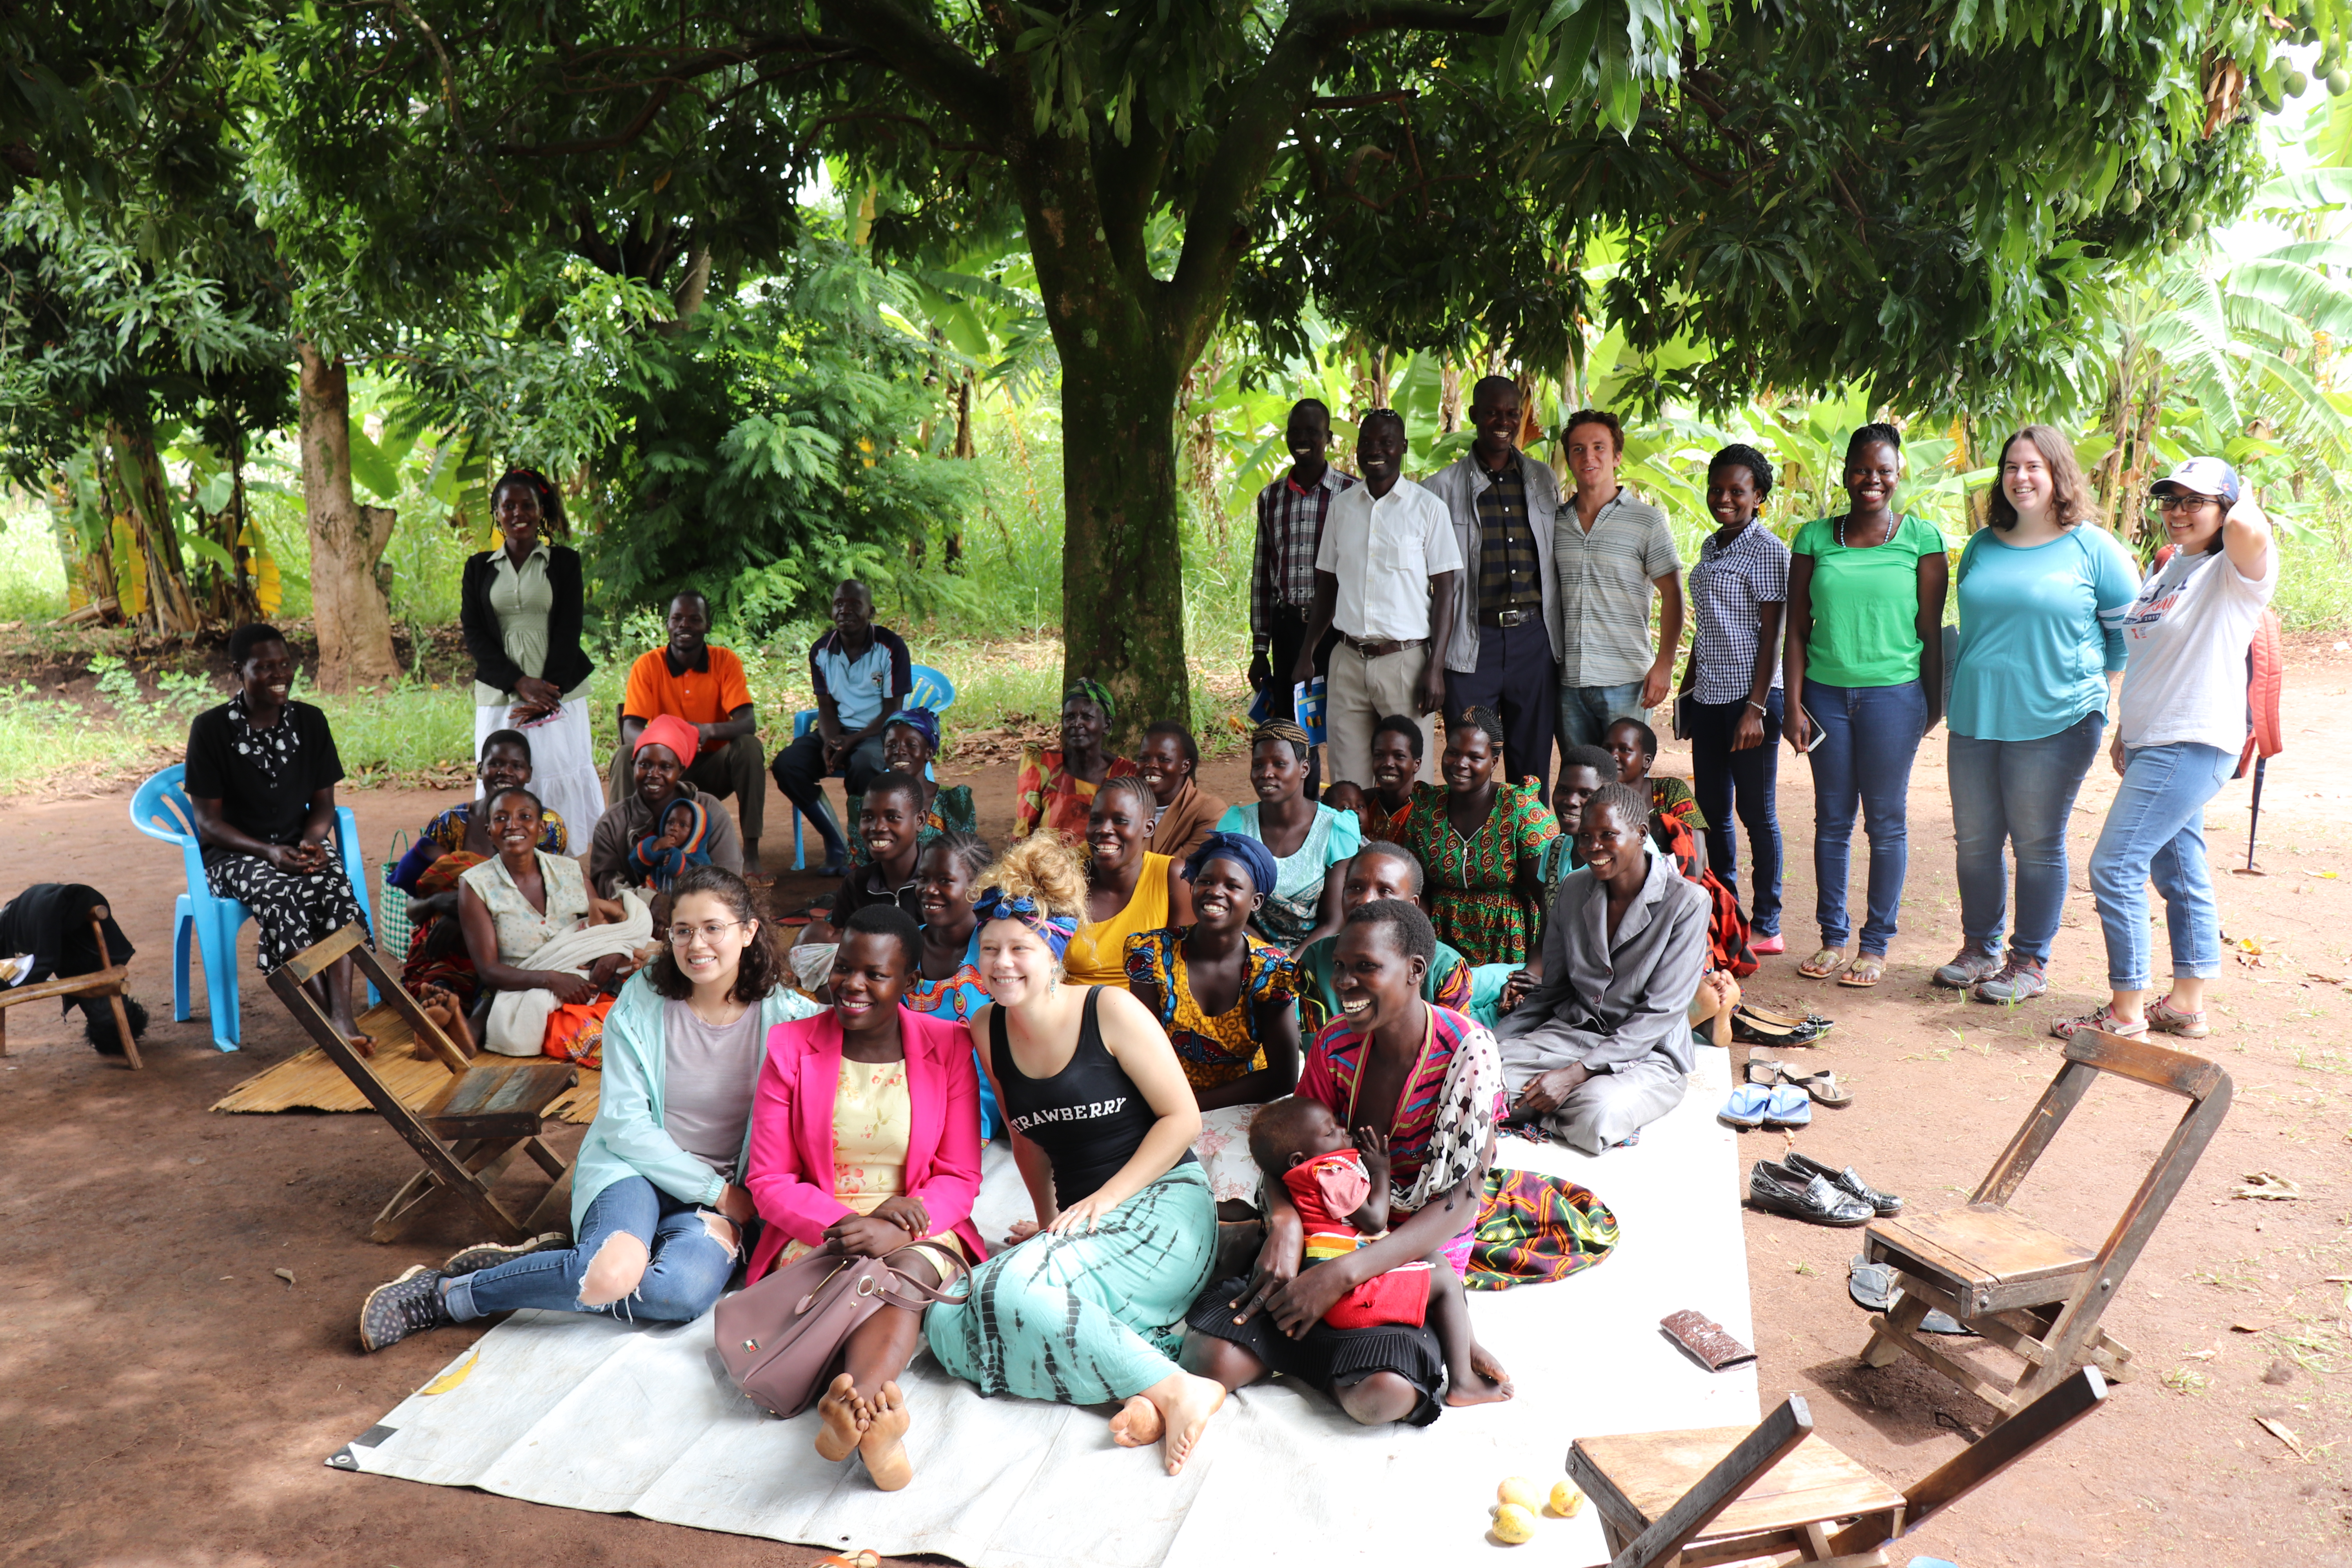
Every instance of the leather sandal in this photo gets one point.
(1823, 1085)
(1761, 1070)
(1822, 964)
(1785, 1020)
(1750, 1030)
(1867, 970)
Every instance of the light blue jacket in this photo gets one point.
(628, 1139)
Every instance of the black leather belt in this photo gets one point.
(1380, 648)
(1503, 619)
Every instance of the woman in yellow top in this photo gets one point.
(1129, 889)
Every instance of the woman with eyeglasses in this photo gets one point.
(659, 1206)
(2180, 725)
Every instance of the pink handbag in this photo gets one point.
(782, 1338)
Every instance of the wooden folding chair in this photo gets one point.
(110, 983)
(2018, 1284)
(1729, 1493)
(490, 1110)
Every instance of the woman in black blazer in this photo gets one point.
(521, 607)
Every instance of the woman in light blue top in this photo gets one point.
(1312, 843)
(2042, 601)
(658, 1205)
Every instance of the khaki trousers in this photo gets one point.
(1361, 693)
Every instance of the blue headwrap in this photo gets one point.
(1240, 849)
(921, 720)
(1052, 929)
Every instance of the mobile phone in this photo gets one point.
(1814, 725)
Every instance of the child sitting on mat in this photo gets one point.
(1340, 1189)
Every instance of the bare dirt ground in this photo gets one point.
(166, 1398)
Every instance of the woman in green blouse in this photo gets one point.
(1864, 672)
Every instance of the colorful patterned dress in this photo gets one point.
(1473, 900)
(1214, 1052)
(1381, 824)
(1045, 795)
(959, 996)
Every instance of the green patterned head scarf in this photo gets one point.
(1095, 692)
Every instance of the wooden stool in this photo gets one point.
(2020, 1285)
(110, 983)
(489, 1113)
(1726, 1494)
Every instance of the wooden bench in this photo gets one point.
(1729, 1494)
(2020, 1285)
(466, 1134)
(110, 983)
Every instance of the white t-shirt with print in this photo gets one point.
(2185, 641)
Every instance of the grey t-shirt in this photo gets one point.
(709, 1076)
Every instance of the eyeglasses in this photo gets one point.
(680, 936)
(2180, 503)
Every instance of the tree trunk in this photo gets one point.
(1122, 555)
(354, 622)
(1449, 398)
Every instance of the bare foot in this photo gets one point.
(884, 1447)
(1486, 1382)
(1138, 1425)
(842, 1428)
(1185, 1403)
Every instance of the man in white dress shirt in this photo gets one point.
(1385, 576)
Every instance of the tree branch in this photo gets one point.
(931, 62)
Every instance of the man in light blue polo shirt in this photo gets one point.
(862, 675)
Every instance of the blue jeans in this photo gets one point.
(1718, 776)
(1587, 712)
(688, 1270)
(1869, 737)
(2021, 794)
(2156, 832)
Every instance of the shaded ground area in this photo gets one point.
(165, 1397)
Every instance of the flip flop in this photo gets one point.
(1789, 1106)
(1746, 1107)
(1824, 1085)
(1871, 1285)
(1822, 964)
(1867, 970)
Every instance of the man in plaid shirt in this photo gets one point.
(1290, 513)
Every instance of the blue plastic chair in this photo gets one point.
(160, 810)
(931, 690)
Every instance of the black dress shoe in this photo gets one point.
(1750, 1031)
(1777, 1189)
(1848, 1180)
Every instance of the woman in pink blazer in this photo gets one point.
(866, 1142)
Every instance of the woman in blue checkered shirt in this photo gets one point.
(1738, 591)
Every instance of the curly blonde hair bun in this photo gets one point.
(1041, 867)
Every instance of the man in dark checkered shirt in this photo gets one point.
(1290, 513)
(1503, 503)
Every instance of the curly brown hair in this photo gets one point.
(761, 968)
(2071, 500)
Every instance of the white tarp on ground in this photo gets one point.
(587, 1413)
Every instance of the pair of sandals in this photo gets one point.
(1776, 1095)
(1866, 970)
(1754, 1026)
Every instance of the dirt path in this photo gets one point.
(166, 1398)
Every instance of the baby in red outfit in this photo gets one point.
(1340, 1186)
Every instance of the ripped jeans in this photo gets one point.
(689, 1268)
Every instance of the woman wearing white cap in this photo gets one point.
(2180, 722)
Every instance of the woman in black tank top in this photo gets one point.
(1087, 1304)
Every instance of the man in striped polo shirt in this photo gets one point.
(1608, 551)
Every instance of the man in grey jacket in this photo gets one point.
(1503, 504)
(1601, 1045)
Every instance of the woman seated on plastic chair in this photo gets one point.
(261, 775)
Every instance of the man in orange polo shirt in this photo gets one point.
(704, 686)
